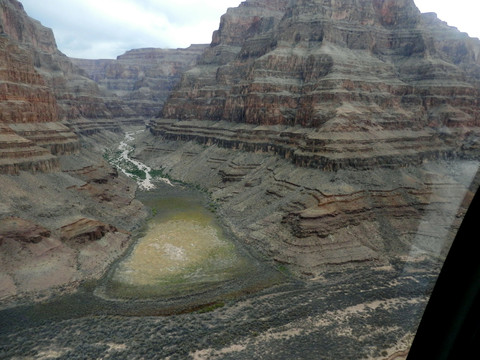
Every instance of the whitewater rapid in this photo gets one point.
(126, 149)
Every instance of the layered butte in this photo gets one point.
(82, 105)
(142, 78)
(333, 84)
(370, 110)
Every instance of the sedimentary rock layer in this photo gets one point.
(370, 109)
(342, 83)
(30, 132)
(79, 99)
(62, 227)
(325, 150)
(142, 78)
(61, 209)
(313, 220)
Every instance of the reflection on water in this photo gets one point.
(183, 250)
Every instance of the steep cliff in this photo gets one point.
(81, 103)
(370, 109)
(142, 78)
(30, 132)
(333, 84)
(64, 212)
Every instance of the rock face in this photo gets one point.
(142, 78)
(314, 221)
(60, 228)
(81, 104)
(373, 107)
(334, 84)
(64, 212)
(30, 132)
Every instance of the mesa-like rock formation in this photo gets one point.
(142, 78)
(333, 85)
(370, 110)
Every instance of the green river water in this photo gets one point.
(184, 250)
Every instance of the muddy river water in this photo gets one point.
(183, 252)
(222, 302)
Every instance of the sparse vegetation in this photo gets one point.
(114, 157)
(211, 307)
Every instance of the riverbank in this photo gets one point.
(363, 314)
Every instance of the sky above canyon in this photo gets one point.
(94, 29)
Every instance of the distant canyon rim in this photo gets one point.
(332, 139)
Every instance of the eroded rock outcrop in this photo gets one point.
(65, 214)
(60, 228)
(313, 221)
(81, 104)
(142, 78)
(351, 84)
(373, 107)
(30, 132)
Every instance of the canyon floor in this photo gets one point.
(366, 314)
(364, 310)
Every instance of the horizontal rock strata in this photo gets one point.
(311, 220)
(30, 134)
(62, 227)
(62, 207)
(332, 85)
(326, 150)
(78, 99)
(142, 78)
(369, 109)
(85, 230)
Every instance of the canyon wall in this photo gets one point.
(142, 78)
(332, 133)
(82, 105)
(31, 134)
(333, 85)
(65, 214)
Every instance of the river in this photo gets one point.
(221, 302)
(184, 250)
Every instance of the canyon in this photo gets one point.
(142, 78)
(337, 142)
(346, 123)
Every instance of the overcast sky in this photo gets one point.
(94, 29)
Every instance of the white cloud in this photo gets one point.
(462, 14)
(107, 28)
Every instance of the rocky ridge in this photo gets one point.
(349, 85)
(142, 78)
(370, 110)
